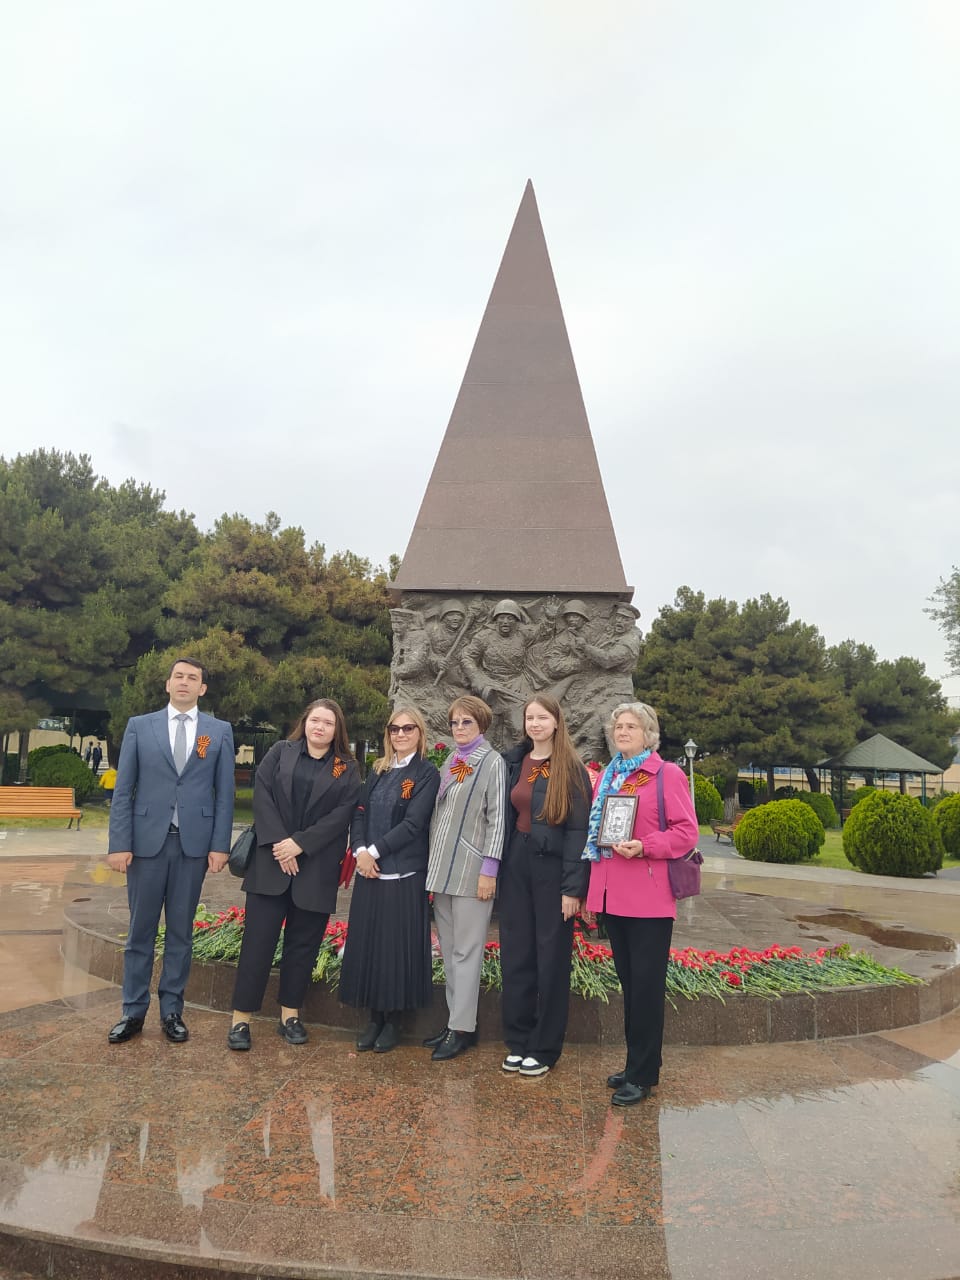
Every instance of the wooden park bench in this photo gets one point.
(726, 828)
(40, 802)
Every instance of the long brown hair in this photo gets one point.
(566, 767)
(382, 764)
(341, 743)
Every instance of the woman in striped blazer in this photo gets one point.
(466, 845)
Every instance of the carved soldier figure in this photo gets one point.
(411, 654)
(618, 651)
(497, 665)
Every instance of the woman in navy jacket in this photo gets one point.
(542, 886)
(387, 965)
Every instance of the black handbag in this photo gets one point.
(241, 851)
(684, 873)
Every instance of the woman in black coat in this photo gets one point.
(387, 965)
(303, 798)
(542, 886)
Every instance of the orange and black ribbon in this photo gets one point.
(406, 789)
(202, 743)
(460, 770)
(630, 788)
(338, 767)
(540, 769)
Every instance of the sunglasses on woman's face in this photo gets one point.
(465, 723)
(396, 729)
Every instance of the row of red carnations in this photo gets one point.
(773, 972)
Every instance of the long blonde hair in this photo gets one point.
(382, 764)
(566, 767)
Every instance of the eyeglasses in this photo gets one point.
(465, 723)
(396, 729)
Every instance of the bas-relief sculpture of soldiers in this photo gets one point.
(583, 652)
(498, 665)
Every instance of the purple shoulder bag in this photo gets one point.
(684, 872)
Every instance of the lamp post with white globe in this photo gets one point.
(690, 750)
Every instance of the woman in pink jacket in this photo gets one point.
(630, 887)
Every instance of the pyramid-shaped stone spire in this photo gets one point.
(515, 502)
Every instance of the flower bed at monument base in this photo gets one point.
(772, 973)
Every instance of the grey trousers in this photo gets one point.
(172, 882)
(462, 925)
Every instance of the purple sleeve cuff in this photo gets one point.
(490, 867)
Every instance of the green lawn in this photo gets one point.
(831, 855)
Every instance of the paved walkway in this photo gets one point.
(839, 1158)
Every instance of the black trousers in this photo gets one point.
(641, 952)
(535, 949)
(301, 945)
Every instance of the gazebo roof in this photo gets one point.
(882, 754)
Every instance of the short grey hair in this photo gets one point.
(647, 717)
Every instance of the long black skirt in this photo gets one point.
(386, 961)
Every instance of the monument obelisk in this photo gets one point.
(512, 581)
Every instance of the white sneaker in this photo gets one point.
(512, 1062)
(533, 1067)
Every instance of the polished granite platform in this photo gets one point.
(829, 1158)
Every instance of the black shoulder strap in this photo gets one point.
(660, 811)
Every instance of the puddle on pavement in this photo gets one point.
(885, 935)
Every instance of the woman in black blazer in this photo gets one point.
(542, 886)
(303, 798)
(387, 965)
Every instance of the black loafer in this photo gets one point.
(238, 1037)
(387, 1039)
(629, 1094)
(368, 1036)
(431, 1042)
(125, 1029)
(293, 1031)
(617, 1080)
(453, 1042)
(174, 1028)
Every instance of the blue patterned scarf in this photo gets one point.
(614, 776)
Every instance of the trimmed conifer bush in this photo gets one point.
(947, 817)
(889, 834)
(708, 801)
(860, 793)
(783, 831)
(64, 770)
(822, 806)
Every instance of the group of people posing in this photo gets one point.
(522, 827)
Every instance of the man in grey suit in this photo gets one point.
(170, 823)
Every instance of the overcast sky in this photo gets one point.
(245, 249)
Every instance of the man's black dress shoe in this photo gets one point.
(368, 1036)
(238, 1037)
(174, 1028)
(628, 1094)
(431, 1042)
(387, 1039)
(125, 1029)
(453, 1042)
(617, 1080)
(293, 1031)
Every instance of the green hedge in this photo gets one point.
(889, 834)
(783, 831)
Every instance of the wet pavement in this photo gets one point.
(838, 1157)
